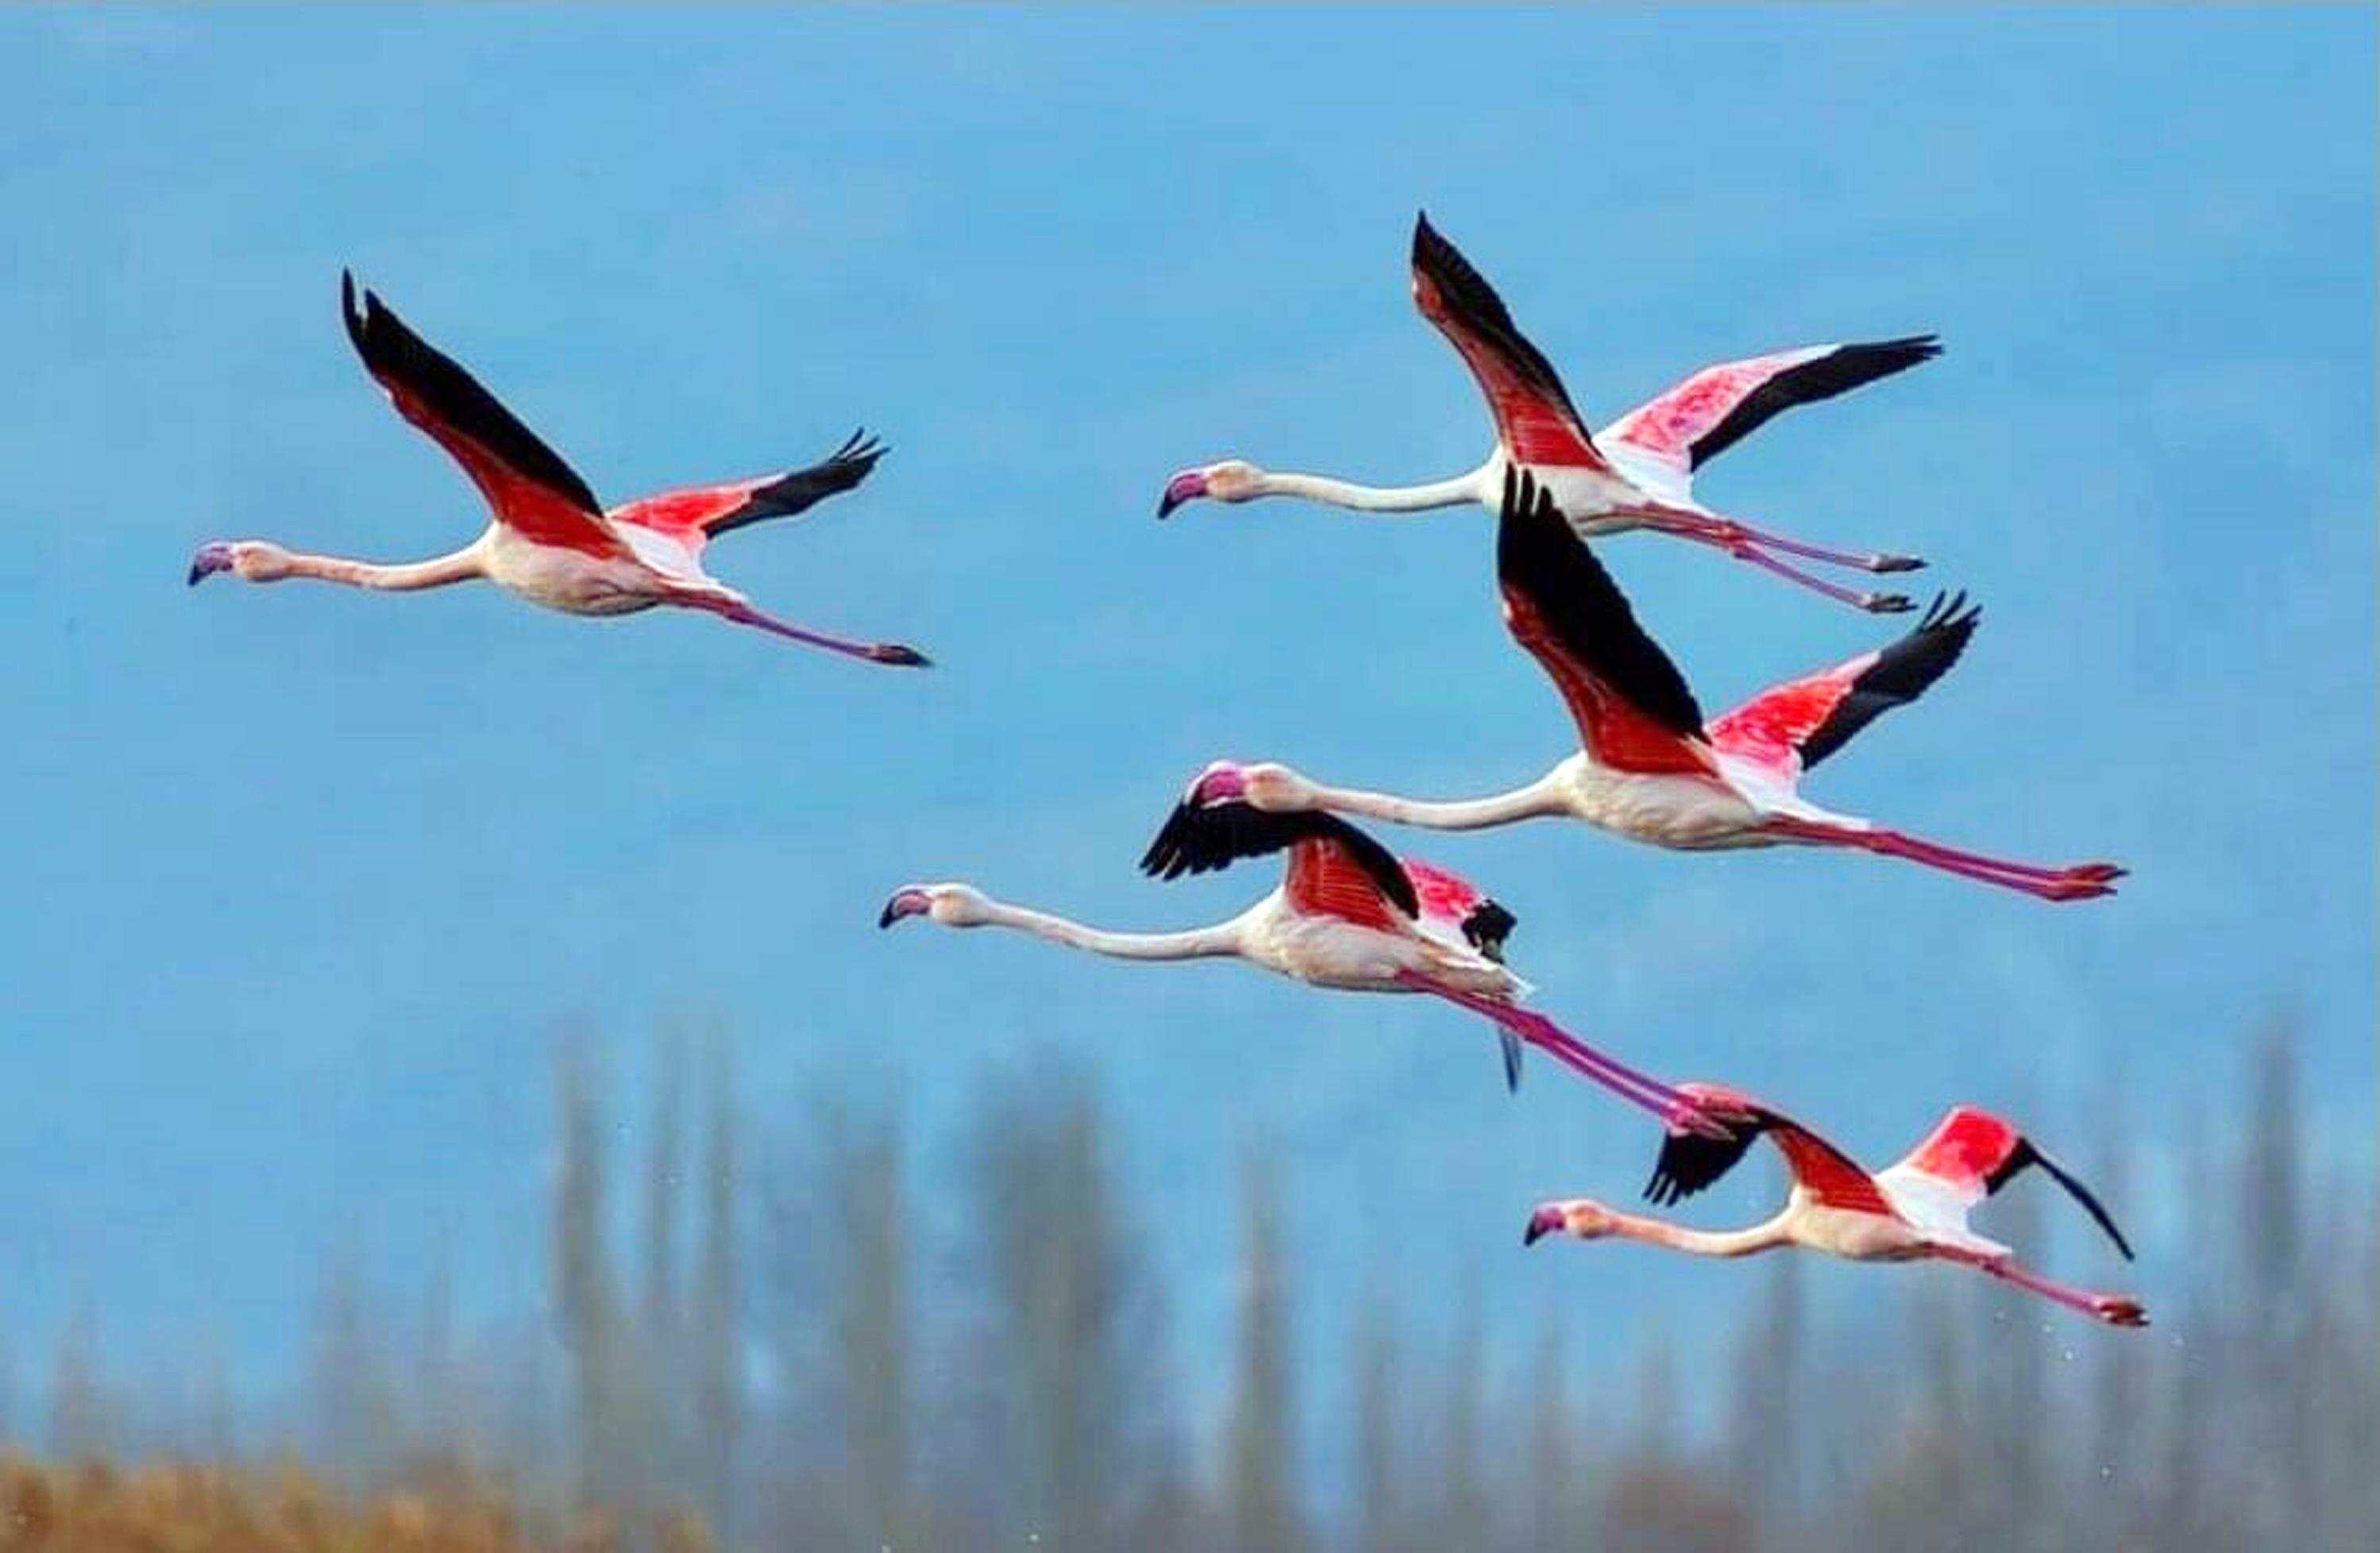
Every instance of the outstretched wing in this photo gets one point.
(1972, 1154)
(530, 488)
(1688, 1162)
(1534, 416)
(1816, 715)
(1632, 706)
(705, 512)
(1456, 903)
(1698, 419)
(1333, 868)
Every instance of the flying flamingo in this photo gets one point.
(1914, 1211)
(1648, 768)
(1639, 473)
(1348, 915)
(551, 541)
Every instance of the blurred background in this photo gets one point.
(458, 1095)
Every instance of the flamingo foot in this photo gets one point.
(1886, 603)
(2120, 1310)
(899, 655)
(1897, 564)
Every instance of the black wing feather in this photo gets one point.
(1487, 927)
(1538, 554)
(394, 354)
(1838, 372)
(1688, 1162)
(2024, 1154)
(1471, 298)
(803, 489)
(1901, 673)
(1202, 838)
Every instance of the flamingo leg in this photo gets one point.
(2080, 882)
(873, 653)
(1672, 1107)
(1752, 545)
(2117, 1310)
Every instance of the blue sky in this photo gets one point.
(305, 880)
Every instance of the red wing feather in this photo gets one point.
(1327, 879)
(532, 491)
(1827, 1173)
(1694, 422)
(705, 512)
(1815, 716)
(1770, 727)
(1614, 732)
(1965, 1152)
(1534, 416)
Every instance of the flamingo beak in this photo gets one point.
(1543, 1223)
(213, 557)
(904, 903)
(1189, 486)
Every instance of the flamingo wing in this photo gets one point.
(1688, 1162)
(1453, 902)
(1971, 1154)
(530, 488)
(1633, 708)
(1813, 717)
(705, 512)
(1334, 869)
(1534, 416)
(1694, 422)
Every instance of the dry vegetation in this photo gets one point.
(182, 1508)
(985, 1379)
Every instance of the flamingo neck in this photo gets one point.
(1748, 1242)
(402, 577)
(1453, 493)
(1196, 944)
(1539, 798)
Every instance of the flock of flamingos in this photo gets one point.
(1351, 915)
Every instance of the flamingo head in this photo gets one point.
(1580, 1218)
(251, 560)
(953, 906)
(1264, 785)
(1233, 479)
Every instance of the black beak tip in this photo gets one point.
(1165, 505)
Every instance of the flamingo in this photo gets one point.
(550, 541)
(1915, 1210)
(1639, 473)
(1649, 766)
(1348, 915)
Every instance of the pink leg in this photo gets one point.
(873, 653)
(2117, 1310)
(1674, 1109)
(1751, 544)
(2080, 881)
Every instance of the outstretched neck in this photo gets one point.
(1196, 944)
(1452, 492)
(1540, 798)
(1747, 1241)
(402, 577)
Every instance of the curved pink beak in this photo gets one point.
(904, 903)
(1187, 485)
(211, 557)
(1544, 1222)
